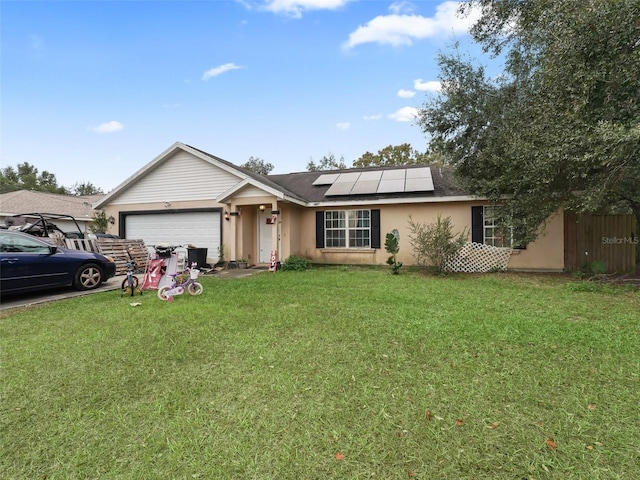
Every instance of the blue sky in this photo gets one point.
(93, 90)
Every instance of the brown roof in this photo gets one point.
(27, 201)
(301, 184)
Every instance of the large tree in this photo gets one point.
(560, 125)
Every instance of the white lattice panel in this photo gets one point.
(478, 258)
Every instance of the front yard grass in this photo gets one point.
(332, 373)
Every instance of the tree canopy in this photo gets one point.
(258, 165)
(26, 177)
(560, 125)
(395, 155)
(328, 162)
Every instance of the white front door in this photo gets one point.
(265, 243)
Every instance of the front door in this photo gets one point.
(265, 243)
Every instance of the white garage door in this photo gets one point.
(199, 229)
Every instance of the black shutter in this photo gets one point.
(477, 225)
(320, 229)
(375, 228)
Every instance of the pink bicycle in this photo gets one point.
(179, 287)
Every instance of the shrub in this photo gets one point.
(392, 246)
(294, 263)
(434, 243)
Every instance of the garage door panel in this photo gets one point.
(200, 229)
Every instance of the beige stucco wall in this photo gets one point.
(547, 253)
(297, 231)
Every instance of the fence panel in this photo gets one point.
(612, 239)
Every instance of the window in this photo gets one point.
(486, 228)
(347, 229)
(494, 233)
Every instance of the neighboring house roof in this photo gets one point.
(27, 201)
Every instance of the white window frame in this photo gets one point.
(347, 228)
(493, 234)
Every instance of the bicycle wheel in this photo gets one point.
(134, 281)
(162, 293)
(195, 288)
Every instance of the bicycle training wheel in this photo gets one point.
(195, 288)
(162, 293)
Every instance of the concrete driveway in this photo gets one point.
(26, 300)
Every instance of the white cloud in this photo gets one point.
(401, 7)
(108, 127)
(430, 86)
(214, 72)
(405, 114)
(399, 29)
(373, 117)
(406, 93)
(295, 8)
(343, 125)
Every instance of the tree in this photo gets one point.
(85, 188)
(326, 163)
(25, 177)
(560, 126)
(258, 165)
(99, 223)
(396, 155)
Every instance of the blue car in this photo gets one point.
(29, 264)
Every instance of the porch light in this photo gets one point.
(262, 207)
(111, 220)
(226, 215)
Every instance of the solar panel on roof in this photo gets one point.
(340, 188)
(418, 185)
(396, 174)
(422, 172)
(391, 186)
(397, 180)
(370, 176)
(363, 187)
(347, 177)
(326, 179)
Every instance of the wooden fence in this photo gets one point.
(122, 251)
(612, 239)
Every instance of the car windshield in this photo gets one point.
(19, 244)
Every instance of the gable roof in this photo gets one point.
(28, 201)
(164, 156)
(257, 180)
(298, 187)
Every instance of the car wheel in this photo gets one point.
(88, 277)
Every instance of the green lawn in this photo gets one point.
(332, 373)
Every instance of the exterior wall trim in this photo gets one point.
(394, 201)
